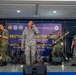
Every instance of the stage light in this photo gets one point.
(18, 11)
(21, 66)
(54, 11)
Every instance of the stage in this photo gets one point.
(50, 68)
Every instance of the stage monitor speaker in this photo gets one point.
(56, 59)
(34, 70)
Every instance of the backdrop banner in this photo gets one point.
(43, 39)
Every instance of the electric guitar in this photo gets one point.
(55, 42)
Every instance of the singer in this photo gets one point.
(29, 42)
(3, 44)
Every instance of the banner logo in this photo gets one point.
(10, 27)
(15, 27)
(56, 28)
(20, 27)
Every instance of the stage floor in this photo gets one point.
(50, 68)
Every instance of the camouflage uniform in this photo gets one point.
(74, 52)
(57, 49)
(4, 45)
(0, 42)
(28, 39)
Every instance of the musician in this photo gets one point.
(0, 44)
(74, 52)
(29, 42)
(57, 48)
(4, 43)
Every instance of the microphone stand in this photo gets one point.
(62, 65)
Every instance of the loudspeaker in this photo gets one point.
(34, 70)
(56, 59)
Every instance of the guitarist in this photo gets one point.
(57, 47)
(74, 52)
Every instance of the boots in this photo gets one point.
(3, 63)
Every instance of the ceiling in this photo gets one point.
(38, 9)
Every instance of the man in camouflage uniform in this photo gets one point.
(0, 45)
(28, 40)
(4, 43)
(57, 48)
(74, 52)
